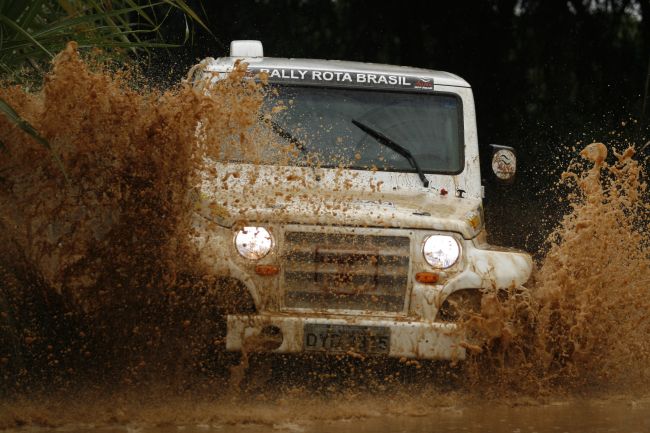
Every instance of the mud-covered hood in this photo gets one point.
(419, 211)
(234, 198)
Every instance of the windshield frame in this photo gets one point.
(461, 124)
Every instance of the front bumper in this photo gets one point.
(408, 339)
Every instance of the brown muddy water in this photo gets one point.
(576, 416)
(108, 323)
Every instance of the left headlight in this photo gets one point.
(253, 243)
(440, 251)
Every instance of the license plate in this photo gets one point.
(346, 338)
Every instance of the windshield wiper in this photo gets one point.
(382, 139)
(283, 133)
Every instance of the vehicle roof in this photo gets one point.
(223, 64)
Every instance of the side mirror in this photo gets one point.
(504, 163)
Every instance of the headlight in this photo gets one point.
(253, 243)
(440, 251)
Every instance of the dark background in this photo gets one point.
(548, 75)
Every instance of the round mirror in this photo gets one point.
(504, 164)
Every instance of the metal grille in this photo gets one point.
(345, 271)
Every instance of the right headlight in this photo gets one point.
(440, 251)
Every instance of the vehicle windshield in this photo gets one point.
(318, 122)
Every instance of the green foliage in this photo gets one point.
(33, 31)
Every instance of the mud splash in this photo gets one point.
(584, 323)
(102, 298)
(97, 276)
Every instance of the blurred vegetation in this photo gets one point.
(32, 32)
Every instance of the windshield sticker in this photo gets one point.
(424, 83)
(342, 78)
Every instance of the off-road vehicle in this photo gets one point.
(368, 238)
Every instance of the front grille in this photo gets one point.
(345, 271)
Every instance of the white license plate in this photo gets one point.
(346, 338)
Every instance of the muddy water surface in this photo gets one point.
(108, 321)
(623, 415)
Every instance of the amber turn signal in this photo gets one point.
(267, 270)
(426, 277)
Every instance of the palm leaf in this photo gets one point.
(187, 11)
(71, 22)
(13, 9)
(19, 30)
(27, 20)
(42, 27)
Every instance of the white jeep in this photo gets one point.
(367, 238)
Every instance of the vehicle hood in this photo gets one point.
(236, 199)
